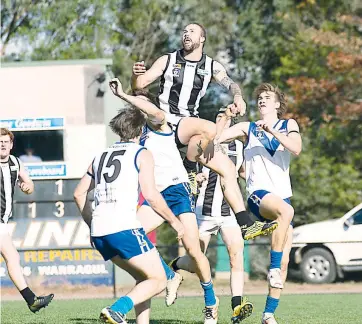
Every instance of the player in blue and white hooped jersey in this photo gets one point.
(184, 78)
(116, 175)
(267, 151)
(172, 181)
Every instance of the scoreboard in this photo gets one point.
(50, 199)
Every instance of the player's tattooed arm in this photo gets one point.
(218, 148)
(220, 76)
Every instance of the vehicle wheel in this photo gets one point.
(318, 266)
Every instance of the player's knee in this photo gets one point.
(227, 171)
(194, 252)
(209, 130)
(286, 213)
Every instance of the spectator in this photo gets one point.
(29, 156)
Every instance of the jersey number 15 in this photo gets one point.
(112, 161)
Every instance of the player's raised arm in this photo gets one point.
(292, 141)
(154, 114)
(151, 194)
(235, 132)
(141, 77)
(220, 76)
(85, 185)
(25, 183)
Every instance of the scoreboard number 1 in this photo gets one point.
(59, 184)
(32, 207)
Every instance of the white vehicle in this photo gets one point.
(325, 251)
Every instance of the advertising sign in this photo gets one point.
(57, 251)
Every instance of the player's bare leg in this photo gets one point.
(143, 312)
(275, 208)
(234, 243)
(190, 127)
(187, 128)
(275, 293)
(12, 259)
(197, 258)
(202, 266)
(147, 269)
(232, 238)
(150, 220)
(221, 164)
(192, 246)
(185, 262)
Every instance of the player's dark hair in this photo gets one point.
(280, 96)
(128, 124)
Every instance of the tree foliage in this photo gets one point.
(311, 49)
(322, 73)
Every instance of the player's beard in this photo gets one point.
(190, 47)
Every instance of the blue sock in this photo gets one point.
(123, 305)
(271, 305)
(169, 273)
(275, 259)
(209, 293)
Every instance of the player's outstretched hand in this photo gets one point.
(231, 111)
(179, 228)
(240, 104)
(139, 68)
(116, 87)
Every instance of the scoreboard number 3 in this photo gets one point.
(60, 209)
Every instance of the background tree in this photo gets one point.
(311, 49)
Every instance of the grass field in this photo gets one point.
(294, 309)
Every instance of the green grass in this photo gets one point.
(293, 309)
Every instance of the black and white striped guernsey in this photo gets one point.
(183, 84)
(211, 201)
(9, 174)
